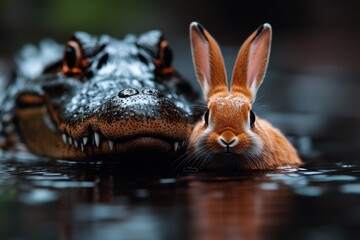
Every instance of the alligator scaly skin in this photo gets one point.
(106, 98)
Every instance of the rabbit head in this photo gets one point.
(229, 126)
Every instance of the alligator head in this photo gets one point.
(106, 97)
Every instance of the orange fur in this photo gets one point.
(229, 138)
(277, 149)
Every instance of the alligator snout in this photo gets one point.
(141, 112)
(131, 119)
(107, 97)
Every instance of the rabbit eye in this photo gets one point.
(252, 119)
(206, 117)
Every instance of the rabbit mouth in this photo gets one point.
(226, 161)
(229, 156)
(228, 150)
(230, 161)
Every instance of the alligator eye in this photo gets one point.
(71, 57)
(164, 60)
(165, 54)
(206, 117)
(252, 119)
(73, 62)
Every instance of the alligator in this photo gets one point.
(97, 97)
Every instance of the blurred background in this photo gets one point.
(312, 88)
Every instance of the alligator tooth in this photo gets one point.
(97, 139)
(64, 138)
(183, 144)
(176, 146)
(70, 140)
(85, 140)
(111, 145)
(76, 143)
(82, 146)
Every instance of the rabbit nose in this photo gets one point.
(227, 143)
(227, 139)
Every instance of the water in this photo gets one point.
(47, 199)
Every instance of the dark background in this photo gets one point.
(311, 32)
(312, 88)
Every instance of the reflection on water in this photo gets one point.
(66, 200)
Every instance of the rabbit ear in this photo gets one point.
(251, 62)
(208, 61)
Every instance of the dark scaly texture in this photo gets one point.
(121, 98)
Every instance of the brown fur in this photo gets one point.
(228, 131)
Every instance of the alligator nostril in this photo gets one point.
(154, 92)
(149, 91)
(128, 92)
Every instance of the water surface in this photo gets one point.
(47, 199)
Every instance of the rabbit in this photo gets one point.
(229, 134)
